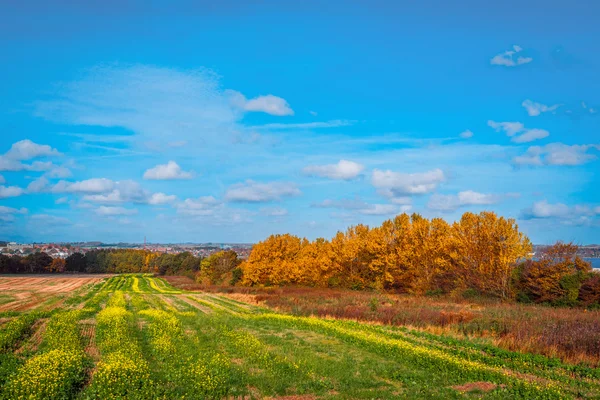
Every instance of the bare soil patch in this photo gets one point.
(476, 387)
(32, 344)
(88, 332)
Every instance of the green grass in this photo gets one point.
(154, 344)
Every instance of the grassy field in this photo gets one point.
(569, 334)
(138, 337)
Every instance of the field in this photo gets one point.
(573, 335)
(138, 337)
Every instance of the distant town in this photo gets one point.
(64, 250)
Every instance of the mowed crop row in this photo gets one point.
(137, 337)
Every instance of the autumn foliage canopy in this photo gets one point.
(482, 253)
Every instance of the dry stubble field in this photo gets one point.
(138, 337)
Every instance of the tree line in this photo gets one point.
(103, 261)
(481, 254)
(221, 268)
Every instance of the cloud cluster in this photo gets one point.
(343, 170)
(208, 209)
(10, 191)
(362, 207)
(107, 211)
(256, 192)
(399, 185)
(26, 150)
(274, 211)
(467, 134)
(168, 171)
(201, 206)
(534, 109)
(104, 191)
(518, 132)
(269, 104)
(7, 214)
(508, 59)
(579, 214)
(557, 154)
(448, 203)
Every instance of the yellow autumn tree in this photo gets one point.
(393, 256)
(274, 261)
(428, 260)
(555, 276)
(315, 261)
(485, 251)
(406, 253)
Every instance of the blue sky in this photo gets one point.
(229, 121)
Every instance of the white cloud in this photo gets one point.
(169, 171)
(381, 209)
(466, 134)
(26, 150)
(10, 210)
(8, 214)
(122, 191)
(344, 170)
(38, 185)
(106, 191)
(94, 185)
(59, 171)
(308, 125)
(347, 204)
(209, 210)
(161, 198)
(255, 192)
(441, 202)
(201, 206)
(363, 207)
(115, 211)
(578, 214)
(513, 128)
(61, 200)
(274, 212)
(507, 58)
(268, 104)
(10, 191)
(543, 209)
(557, 154)
(531, 135)
(534, 109)
(398, 184)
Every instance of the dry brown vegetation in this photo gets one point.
(34, 292)
(572, 335)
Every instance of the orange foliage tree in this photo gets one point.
(407, 253)
(57, 265)
(484, 251)
(556, 276)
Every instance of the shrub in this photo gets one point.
(15, 330)
(55, 374)
(589, 292)
(120, 375)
